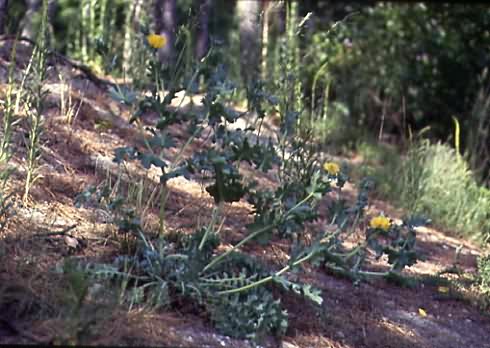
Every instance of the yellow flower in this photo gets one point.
(331, 168)
(422, 312)
(156, 41)
(380, 222)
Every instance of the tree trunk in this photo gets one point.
(3, 15)
(279, 17)
(52, 8)
(266, 8)
(248, 15)
(34, 6)
(131, 26)
(165, 24)
(202, 40)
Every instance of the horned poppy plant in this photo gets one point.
(331, 168)
(156, 41)
(381, 222)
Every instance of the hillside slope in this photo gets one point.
(34, 307)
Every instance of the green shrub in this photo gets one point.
(436, 181)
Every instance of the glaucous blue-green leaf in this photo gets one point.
(124, 154)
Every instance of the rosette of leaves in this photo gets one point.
(245, 314)
(235, 292)
(248, 314)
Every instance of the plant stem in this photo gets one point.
(254, 234)
(239, 244)
(163, 202)
(374, 274)
(216, 212)
(269, 278)
(348, 255)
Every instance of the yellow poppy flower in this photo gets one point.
(156, 41)
(331, 168)
(380, 222)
